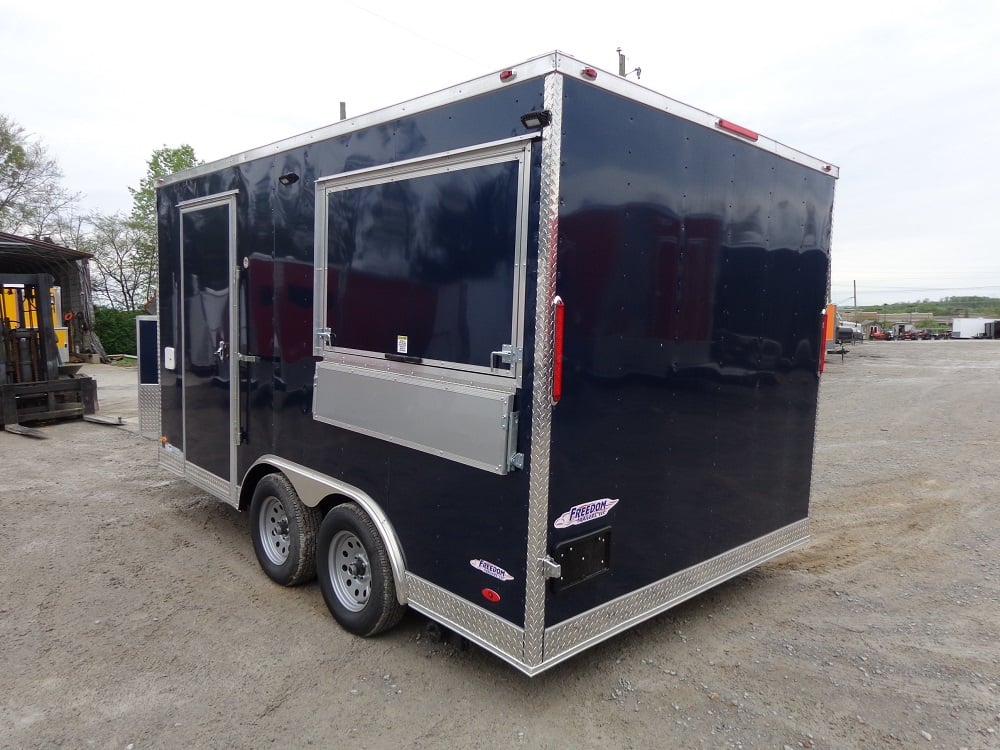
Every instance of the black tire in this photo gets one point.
(283, 530)
(354, 573)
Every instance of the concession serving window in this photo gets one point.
(419, 300)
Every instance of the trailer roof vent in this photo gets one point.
(732, 127)
(590, 73)
(507, 75)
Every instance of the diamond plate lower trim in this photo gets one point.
(149, 410)
(171, 460)
(571, 637)
(484, 628)
(207, 481)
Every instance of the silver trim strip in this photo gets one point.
(575, 635)
(494, 634)
(212, 484)
(541, 403)
(630, 89)
(532, 68)
(468, 378)
(206, 201)
(171, 460)
(566, 639)
(313, 486)
(481, 154)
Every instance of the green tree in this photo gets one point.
(142, 221)
(124, 273)
(164, 161)
(33, 200)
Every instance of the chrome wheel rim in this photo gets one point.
(272, 525)
(350, 571)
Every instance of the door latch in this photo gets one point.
(549, 567)
(508, 355)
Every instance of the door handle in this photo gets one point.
(221, 351)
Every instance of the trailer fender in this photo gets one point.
(313, 487)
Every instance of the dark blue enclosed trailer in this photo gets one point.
(536, 356)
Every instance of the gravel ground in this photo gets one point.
(134, 614)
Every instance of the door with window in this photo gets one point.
(208, 250)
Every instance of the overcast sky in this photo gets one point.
(903, 97)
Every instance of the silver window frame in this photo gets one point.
(496, 152)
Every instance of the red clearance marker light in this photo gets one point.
(507, 75)
(491, 595)
(732, 127)
(559, 320)
(589, 73)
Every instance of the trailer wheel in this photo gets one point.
(283, 531)
(354, 572)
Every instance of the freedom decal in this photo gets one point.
(585, 512)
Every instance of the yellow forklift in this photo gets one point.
(36, 385)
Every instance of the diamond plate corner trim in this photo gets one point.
(494, 634)
(208, 481)
(575, 635)
(149, 410)
(541, 405)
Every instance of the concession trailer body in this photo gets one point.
(536, 356)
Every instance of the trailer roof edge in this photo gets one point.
(533, 68)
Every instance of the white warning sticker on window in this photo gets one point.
(401, 344)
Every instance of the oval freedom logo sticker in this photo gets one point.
(491, 570)
(585, 512)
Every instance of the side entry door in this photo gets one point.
(208, 252)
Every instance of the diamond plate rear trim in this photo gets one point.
(491, 632)
(570, 637)
(541, 404)
(149, 410)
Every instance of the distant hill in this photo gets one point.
(954, 307)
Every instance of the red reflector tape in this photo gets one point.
(732, 127)
(559, 322)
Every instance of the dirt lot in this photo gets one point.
(134, 614)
